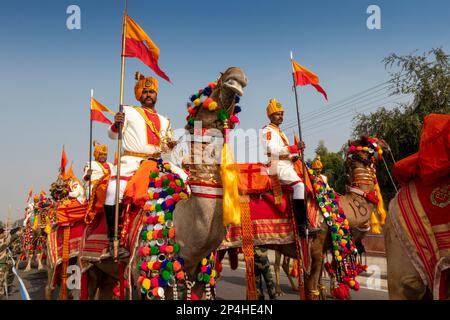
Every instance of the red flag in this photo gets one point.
(304, 77)
(63, 161)
(135, 40)
(97, 110)
(30, 193)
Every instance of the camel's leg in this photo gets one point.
(312, 282)
(404, 282)
(39, 261)
(276, 268)
(28, 267)
(105, 291)
(48, 289)
(285, 266)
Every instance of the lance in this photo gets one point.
(301, 284)
(119, 138)
(90, 145)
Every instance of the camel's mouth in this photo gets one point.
(234, 85)
(237, 81)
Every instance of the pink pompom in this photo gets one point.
(234, 119)
(154, 282)
(144, 266)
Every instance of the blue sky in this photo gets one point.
(47, 71)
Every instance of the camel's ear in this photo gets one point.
(95, 143)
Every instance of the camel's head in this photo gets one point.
(217, 103)
(362, 157)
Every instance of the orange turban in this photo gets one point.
(100, 149)
(274, 106)
(143, 82)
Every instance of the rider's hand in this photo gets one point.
(294, 157)
(301, 146)
(119, 119)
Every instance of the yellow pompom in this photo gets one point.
(197, 102)
(352, 283)
(161, 219)
(204, 262)
(324, 210)
(339, 258)
(366, 149)
(212, 106)
(150, 265)
(149, 236)
(336, 253)
(146, 284)
(213, 273)
(150, 194)
(183, 196)
(380, 151)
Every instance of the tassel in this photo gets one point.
(276, 189)
(229, 173)
(380, 206)
(375, 223)
(378, 217)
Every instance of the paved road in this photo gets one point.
(231, 285)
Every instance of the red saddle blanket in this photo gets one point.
(55, 246)
(423, 222)
(95, 245)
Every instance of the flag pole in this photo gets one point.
(90, 145)
(301, 286)
(119, 138)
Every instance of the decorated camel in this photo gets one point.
(170, 244)
(170, 235)
(339, 216)
(64, 240)
(37, 226)
(417, 232)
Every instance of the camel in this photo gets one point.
(358, 210)
(198, 221)
(76, 197)
(424, 198)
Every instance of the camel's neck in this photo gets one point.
(203, 161)
(357, 202)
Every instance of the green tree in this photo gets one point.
(427, 78)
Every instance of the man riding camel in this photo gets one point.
(98, 168)
(98, 172)
(318, 166)
(282, 157)
(146, 134)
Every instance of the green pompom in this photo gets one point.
(222, 115)
(206, 278)
(144, 235)
(176, 248)
(165, 275)
(154, 175)
(200, 276)
(165, 232)
(170, 191)
(168, 216)
(154, 250)
(169, 266)
(165, 183)
(191, 121)
(158, 207)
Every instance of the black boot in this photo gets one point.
(110, 212)
(302, 221)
